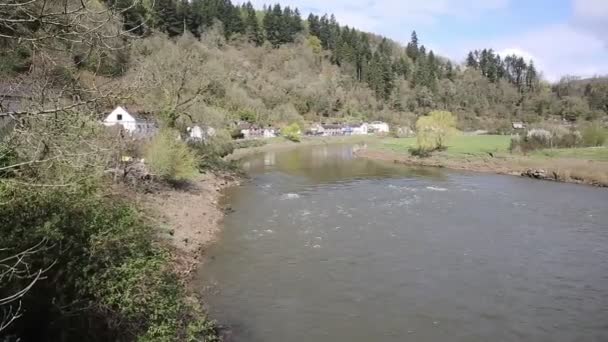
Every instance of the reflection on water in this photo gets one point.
(323, 246)
(329, 163)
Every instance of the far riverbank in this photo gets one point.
(490, 154)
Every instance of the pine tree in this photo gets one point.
(253, 25)
(531, 77)
(167, 18)
(195, 18)
(273, 25)
(472, 61)
(412, 47)
(449, 71)
(325, 32)
(314, 26)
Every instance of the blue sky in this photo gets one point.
(564, 37)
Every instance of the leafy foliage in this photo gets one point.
(170, 158)
(292, 132)
(103, 272)
(434, 129)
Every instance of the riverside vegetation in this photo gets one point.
(78, 259)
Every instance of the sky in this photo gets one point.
(563, 37)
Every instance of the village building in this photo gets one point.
(251, 131)
(332, 130)
(362, 129)
(518, 125)
(200, 133)
(130, 122)
(315, 130)
(379, 127)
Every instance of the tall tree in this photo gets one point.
(253, 25)
(412, 47)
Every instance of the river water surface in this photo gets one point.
(325, 247)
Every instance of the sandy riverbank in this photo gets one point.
(190, 217)
(562, 170)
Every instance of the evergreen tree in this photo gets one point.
(195, 18)
(314, 26)
(412, 47)
(531, 77)
(272, 25)
(253, 25)
(472, 61)
(449, 71)
(167, 18)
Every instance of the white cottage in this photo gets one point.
(360, 129)
(379, 127)
(130, 122)
(200, 133)
(518, 125)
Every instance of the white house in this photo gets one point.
(331, 130)
(379, 127)
(269, 132)
(519, 125)
(198, 133)
(130, 122)
(251, 131)
(360, 129)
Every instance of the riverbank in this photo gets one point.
(490, 154)
(189, 217)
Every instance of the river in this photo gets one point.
(322, 246)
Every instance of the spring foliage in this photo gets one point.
(434, 129)
(292, 132)
(170, 158)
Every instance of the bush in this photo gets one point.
(292, 132)
(170, 158)
(105, 276)
(594, 135)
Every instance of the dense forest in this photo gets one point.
(77, 260)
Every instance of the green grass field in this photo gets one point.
(481, 145)
(588, 153)
(460, 145)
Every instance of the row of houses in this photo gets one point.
(376, 127)
(139, 125)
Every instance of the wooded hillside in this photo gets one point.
(272, 66)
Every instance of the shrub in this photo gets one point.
(104, 276)
(594, 135)
(292, 132)
(170, 158)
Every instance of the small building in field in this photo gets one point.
(379, 127)
(518, 125)
(130, 122)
